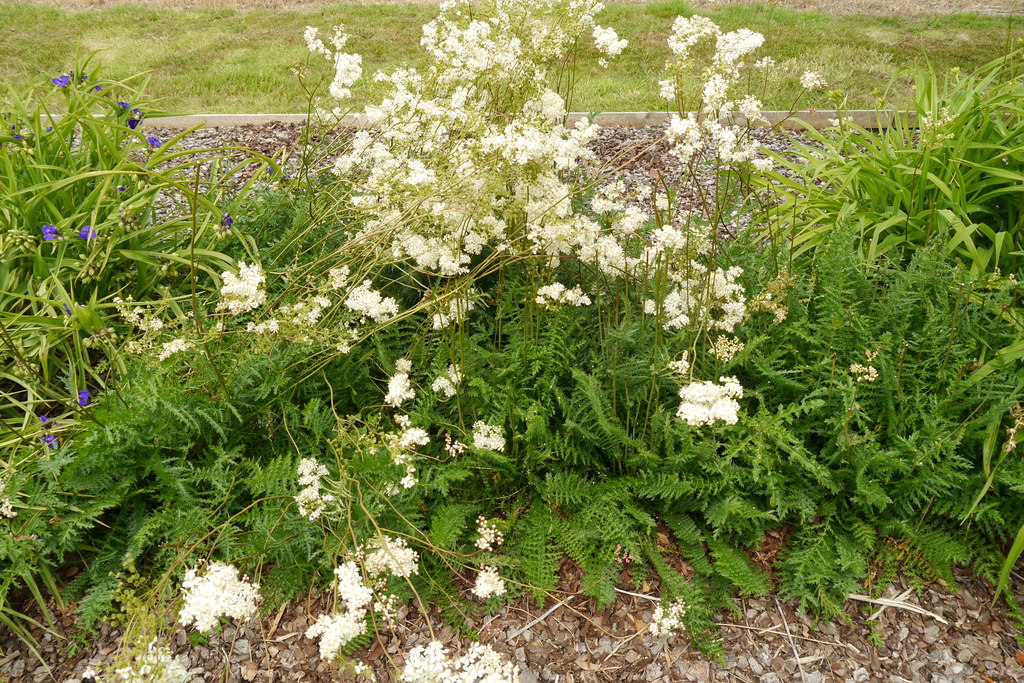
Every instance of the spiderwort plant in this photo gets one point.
(76, 178)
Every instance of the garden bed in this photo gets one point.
(501, 399)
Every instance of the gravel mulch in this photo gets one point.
(637, 154)
(934, 636)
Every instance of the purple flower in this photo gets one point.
(62, 80)
(137, 111)
(121, 188)
(98, 88)
(86, 233)
(228, 220)
(67, 309)
(124, 105)
(153, 140)
(44, 419)
(83, 398)
(50, 440)
(48, 129)
(49, 232)
(132, 123)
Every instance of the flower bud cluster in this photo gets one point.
(725, 347)
(490, 536)
(863, 373)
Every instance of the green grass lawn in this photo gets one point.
(228, 61)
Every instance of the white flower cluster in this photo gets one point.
(481, 664)
(389, 555)
(724, 70)
(311, 500)
(266, 327)
(668, 621)
(680, 366)
(812, 80)
(733, 145)
(607, 42)
(488, 583)
(138, 316)
(6, 504)
(556, 294)
(705, 403)
(337, 630)
(385, 555)
(490, 536)
(217, 593)
(348, 68)
(243, 292)
(155, 665)
(172, 347)
(402, 447)
(305, 312)
(447, 384)
(488, 437)
(715, 298)
(445, 151)
(400, 388)
(454, 310)
(370, 304)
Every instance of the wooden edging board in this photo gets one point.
(814, 118)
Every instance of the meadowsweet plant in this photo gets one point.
(477, 244)
(466, 352)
